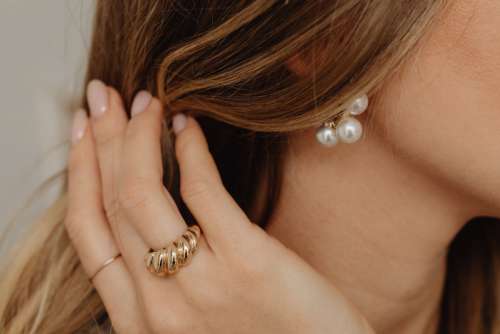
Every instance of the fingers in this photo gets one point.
(87, 227)
(116, 289)
(109, 123)
(142, 195)
(85, 222)
(141, 213)
(220, 217)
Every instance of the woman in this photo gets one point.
(294, 227)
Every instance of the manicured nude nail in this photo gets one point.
(79, 126)
(97, 96)
(141, 102)
(179, 123)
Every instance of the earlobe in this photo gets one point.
(344, 127)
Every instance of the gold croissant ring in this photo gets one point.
(177, 254)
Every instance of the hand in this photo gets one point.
(241, 280)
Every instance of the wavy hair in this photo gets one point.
(225, 61)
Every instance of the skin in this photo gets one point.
(370, 222)
(117, 204)
(380, 213)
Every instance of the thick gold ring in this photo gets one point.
(177, 254)
(104, 265)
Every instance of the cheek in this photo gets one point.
(443, 109)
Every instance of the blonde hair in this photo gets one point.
(225, 61)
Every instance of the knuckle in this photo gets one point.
(135, 131)
(135, 193)
(166, 322)
(201, 298)
(195, 188)
(131, 133)
(250, 273)
(216, 301)
(107, 137)
(112, 208)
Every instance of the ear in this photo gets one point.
(297, 64)
(304, 63)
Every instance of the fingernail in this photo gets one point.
(141, 102)
(179, 123)
(97, 97)
(79, 126)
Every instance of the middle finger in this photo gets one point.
(109, 122)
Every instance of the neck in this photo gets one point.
(375, 224)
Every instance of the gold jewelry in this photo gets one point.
(105, 264)
(177, 254)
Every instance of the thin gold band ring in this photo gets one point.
(105, 264)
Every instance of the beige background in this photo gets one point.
(43, 44)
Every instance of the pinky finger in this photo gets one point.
(90, 234)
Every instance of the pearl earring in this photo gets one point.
(348, 129)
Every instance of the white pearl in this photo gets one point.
(327, 136)
(358, 106)
(349, 130)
